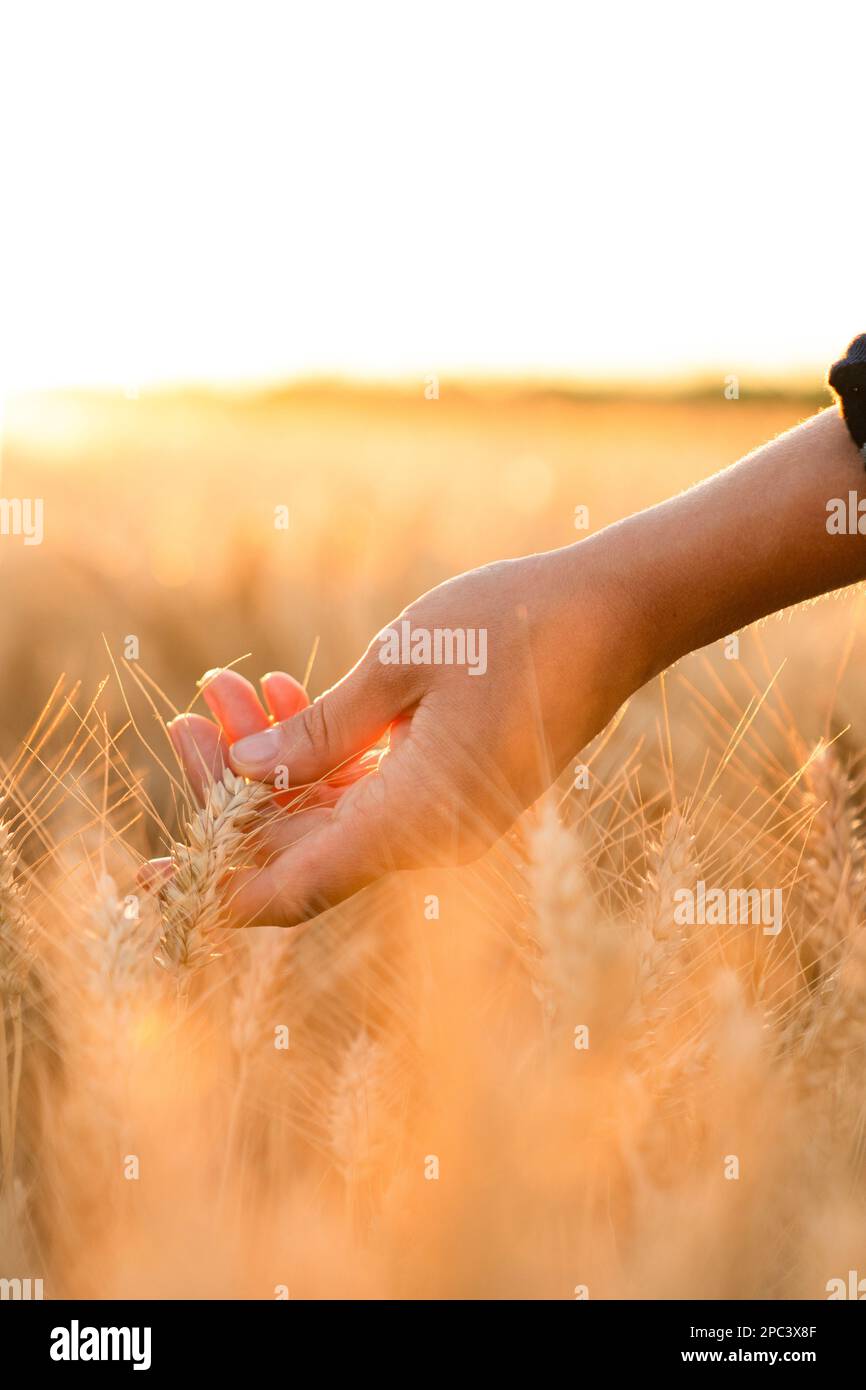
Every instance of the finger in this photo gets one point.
(330, 792)
(284, 696)
(341, 724)
(278, 835)
(152, 875)
(201, 749)
(233, 702)
(333, 859)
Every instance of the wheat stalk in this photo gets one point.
(255, 1012)
(16, 929)
(838, 1027)
(194, 909)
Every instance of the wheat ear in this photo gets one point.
(16, 958)
(118, 960)
(115, 945)
(835, 866)
(666, 1069)
(671, 865)
(564, 905)
(194, 908)
(838, 1029)
(260, 990)
(358, 1110)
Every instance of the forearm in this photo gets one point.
(749, 541)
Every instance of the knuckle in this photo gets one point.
(315, 731)
(381, 677)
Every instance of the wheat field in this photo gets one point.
(525, 1078)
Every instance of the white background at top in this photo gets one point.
(252, 190)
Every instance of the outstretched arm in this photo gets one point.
(569, 636)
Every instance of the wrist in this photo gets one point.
(609, 613)
(651, 610)
(750, 541)
(634, 556)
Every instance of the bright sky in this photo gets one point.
(194, 191)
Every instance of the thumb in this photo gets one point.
(344, 721)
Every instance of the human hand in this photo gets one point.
(550, 641)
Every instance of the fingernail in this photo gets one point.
(154, 873)
(258, 752)
(178, 727)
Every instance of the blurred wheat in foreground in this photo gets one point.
(557, 1088)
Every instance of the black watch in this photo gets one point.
(848, 379)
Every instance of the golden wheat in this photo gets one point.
(662, 942)
(194, 898)
(423, 1132)
(16, 958)
(358, 1110)
(565, 916)
(835, 865)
